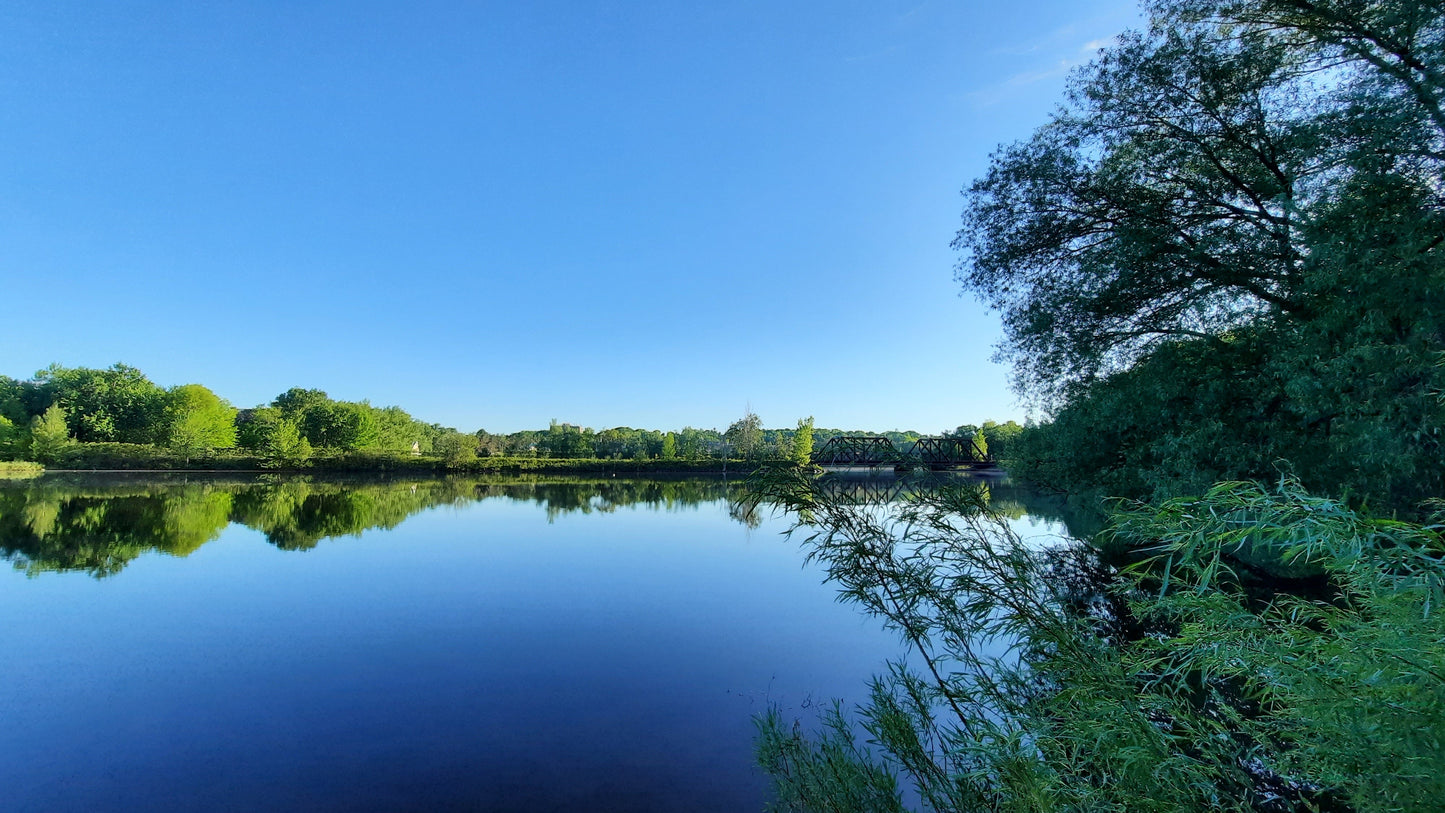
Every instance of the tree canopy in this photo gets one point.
(1181, 190)
(1243, 208)
(746, 434)
(118, 404)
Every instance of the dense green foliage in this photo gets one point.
(746, 435)
(127, 422)
(13, 439)
(1226, 251)
(1040, 680)
(277, 438)
(116, 405)
(997, 440)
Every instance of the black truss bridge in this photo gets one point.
(872, 451)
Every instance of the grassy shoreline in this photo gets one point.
(128, 457)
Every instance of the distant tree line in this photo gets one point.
(42, 418)
(47, 417)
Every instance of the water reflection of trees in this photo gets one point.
(587, 496)
(1004, 497)
(43, 529)
(98, 524)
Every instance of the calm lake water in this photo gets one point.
(198, 643)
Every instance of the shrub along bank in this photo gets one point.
(142, 457)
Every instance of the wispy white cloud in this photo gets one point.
(1026, 78)
(1002, 91)
(1054, 54)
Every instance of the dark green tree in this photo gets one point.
(1172, 196)
(565, 440)
(695, 444)
(457, 448)
(340, 425)
(14, 396)
(296, 401)
(489, 445)
(12, 439)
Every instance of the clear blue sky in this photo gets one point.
(494, 214)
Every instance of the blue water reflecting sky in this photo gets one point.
(484, 657)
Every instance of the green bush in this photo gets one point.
(137, 456)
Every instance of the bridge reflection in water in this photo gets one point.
(875, 451)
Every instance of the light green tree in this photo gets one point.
(1000, 436)
(199, 420)
(669, 446)
(274, 436)
(802, 451)
(980, 444)
(49, 436)
(284, 445)
(396, 430)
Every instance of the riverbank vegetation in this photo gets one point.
(117, 418)
(1041, 679)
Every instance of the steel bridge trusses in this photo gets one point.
(874, 451)
(946, 451)
(856, 450)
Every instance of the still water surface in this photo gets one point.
(194, 643)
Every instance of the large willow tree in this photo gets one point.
(1260, 182)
